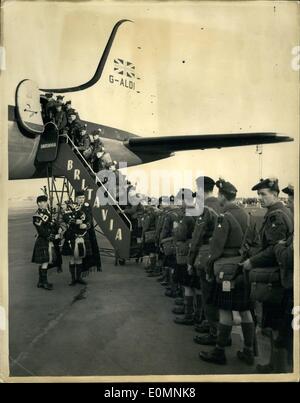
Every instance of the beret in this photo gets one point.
(226, 187)
(41, 198)
(289, 190)
(269, 183)
(206, 180)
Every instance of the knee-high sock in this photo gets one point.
(223, 335)
(248, 333)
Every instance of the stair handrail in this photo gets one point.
(98, 180)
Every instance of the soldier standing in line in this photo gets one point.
(60, 100)
(165, 243)
(73, 125)
(83, 143)
(77, 242)
(289, 190)
(59, 118)
(284, 252)
(67, 106)
(148, 236)
(44, 250)
(227, 239)
(204, 228)
(50, 107)
(183, 229)
(277, 226)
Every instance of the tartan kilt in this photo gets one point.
(40, 251)
(235, 300)
(182, 277)
(69, 246)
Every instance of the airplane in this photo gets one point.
(26, 128)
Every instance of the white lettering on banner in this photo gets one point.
(111, 225)
(70, 165)
(119, 236)
(104, 214)
(49, 145)
(77, 174)
(83, 184)
(97, 202)
(89, 193)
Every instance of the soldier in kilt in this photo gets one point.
(166, 235)
(277, 226)
(77, 240)
(44, 249)
(204, 228)
(148, 236)
(183, 228)
(227, 239)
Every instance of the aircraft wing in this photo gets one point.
(169, 144)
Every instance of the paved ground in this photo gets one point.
(123, 326)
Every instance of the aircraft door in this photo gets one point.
(28, 108)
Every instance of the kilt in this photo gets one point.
(170, 261)
(40, 251)
(69, 246)
(235, 300)
(149, 248)
(182, 277)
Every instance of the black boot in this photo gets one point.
(44, 278)
(265, 368)
(216, 356)
(178, 310)
(40, 282)
(72, 272)
(188, 318)
(179, 301)
(79, 271)
(204, 327)
(246, 355)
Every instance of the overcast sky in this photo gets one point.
(203, 68)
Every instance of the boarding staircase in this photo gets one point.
(59, 157)
(108, 214)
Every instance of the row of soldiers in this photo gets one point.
(68, 231)
(210, 260)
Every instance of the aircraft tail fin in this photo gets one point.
(96, 77)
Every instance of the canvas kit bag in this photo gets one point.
(266, 285)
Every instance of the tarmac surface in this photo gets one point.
(119, 324)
